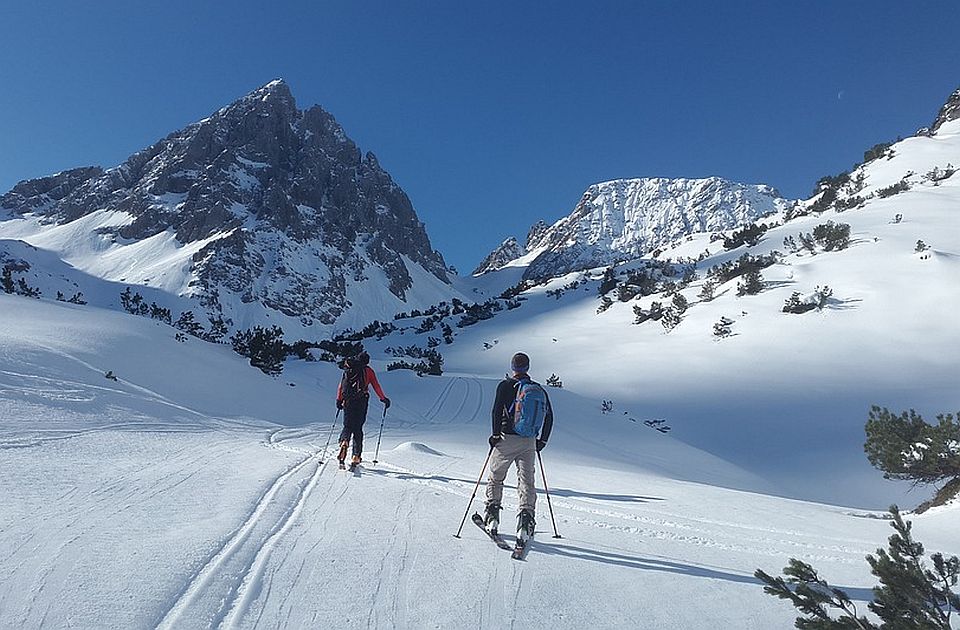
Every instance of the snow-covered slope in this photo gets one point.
(784, 395)
(261, 213)
(627, 218)
(190, 493)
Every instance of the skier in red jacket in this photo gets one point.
(353, 397)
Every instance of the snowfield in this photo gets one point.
(190, 493)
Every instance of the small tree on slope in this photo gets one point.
(910, 594)
(908, 448)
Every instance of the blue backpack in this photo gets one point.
(529, 409)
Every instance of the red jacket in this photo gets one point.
(369, 378)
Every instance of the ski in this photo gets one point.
(355, 469)
(520, 549)
(478, 521)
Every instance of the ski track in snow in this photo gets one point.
(249, 546)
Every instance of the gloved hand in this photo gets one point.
(494, 440)
(339, 404)
(541, 444)
(386, 402)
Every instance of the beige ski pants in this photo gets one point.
(523, 451)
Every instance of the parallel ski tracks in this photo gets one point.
(222, 590)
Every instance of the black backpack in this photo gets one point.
(353, 385)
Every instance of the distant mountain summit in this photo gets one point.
(629, 218)
(260, 207)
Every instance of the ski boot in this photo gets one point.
(354, 462)
(525, 525)
(491, 517)
(342, 455)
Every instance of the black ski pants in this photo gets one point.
(354, 415)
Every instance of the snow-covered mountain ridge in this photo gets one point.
(885, 335)
(261, 213)
(628, 218)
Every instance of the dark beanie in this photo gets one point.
(520, 363)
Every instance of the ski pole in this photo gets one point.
(556, 534)
(380, 435)
(329, 435)
(475, 488)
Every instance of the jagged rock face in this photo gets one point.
(41, 195)
(624, 219)
(507, 251)
(950, 111)
(536, 232)
(293, 210)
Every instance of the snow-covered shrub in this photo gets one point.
(827, 188)
(554, 381)
(821, 295)
(707, 290)
(876, 151)
(894, 189)
(722, 329)
(731, 269)
(832, 236)
(605, 303)
(680, 303)
(263, 346)
(188, 324)
(794, 304)
(751, 284)
(671, 318)
(431, 362)
(26, 290)
(749, 236)
(6, 281)
(937, 174)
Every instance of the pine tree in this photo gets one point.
(707, 290)
(680, 303)
(263, 346)
(218, 329)
(188, 324)
(907, 447)
(605, 303)
(26, 290)
(671, 318)
(910, 595)
(6, 281)
(721, 329)
(608, 283)
(751, 284)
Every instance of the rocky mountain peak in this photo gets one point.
(950, 111)
(290, 212)
(506, 252)
(628, 218)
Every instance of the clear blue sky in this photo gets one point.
(490, 115)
